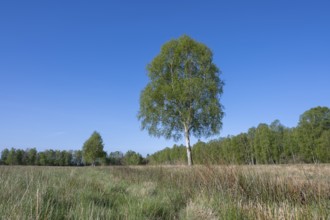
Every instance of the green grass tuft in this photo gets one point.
(166, 192)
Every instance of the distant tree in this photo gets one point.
(93, 149)
(66, 158)
(42, 159)
(177, 154)
(31, 156)
(116, 158)
(200, 151)
(132, 158)
(263, 144)
(77, 158)
(251, 136)
(12, 157)
(290, 145)
(312, 124)
(225, 151)
(58, 160)
(241, 149)
(182, 97)
(323, 149)
(50, 157)
(277, 136)
(4, 156)
(20, 157)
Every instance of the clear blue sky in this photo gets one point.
(69, 67)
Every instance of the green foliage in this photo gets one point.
(312, 124)
(263, 144)
(42, 160)
(323, 148)
(93, 149)
(267, 144)
(32, 156)
(132, 158)
(45, 158)
(183, 94)
(116, 158)
(77, 158)
(174, 155)
(4, 156)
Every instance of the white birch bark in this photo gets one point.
(187, 136)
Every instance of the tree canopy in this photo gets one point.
(93, 148)
(182, 97)
(313, 128)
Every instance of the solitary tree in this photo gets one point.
(93, 148)
(182, 97)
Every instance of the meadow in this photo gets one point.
(165, 192)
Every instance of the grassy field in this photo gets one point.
(167, 192)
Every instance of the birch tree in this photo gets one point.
(93, 148)
(182, 97)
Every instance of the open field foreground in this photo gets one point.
(167, 192)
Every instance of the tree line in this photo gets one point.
(31, 156)
(308, 142)
(92, 153)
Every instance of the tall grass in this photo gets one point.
(165, 192)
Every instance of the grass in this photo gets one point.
(166, 192)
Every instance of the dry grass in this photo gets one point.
(166, 192)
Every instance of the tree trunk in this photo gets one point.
(187, 136)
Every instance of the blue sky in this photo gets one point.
(68, 68)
